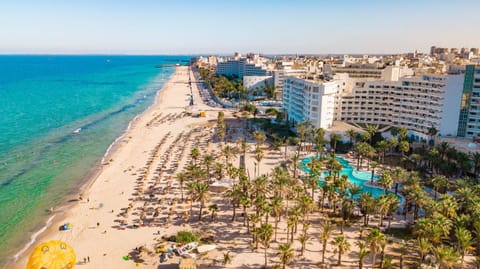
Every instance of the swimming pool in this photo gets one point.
(354, 176)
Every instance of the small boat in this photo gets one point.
(77, 131)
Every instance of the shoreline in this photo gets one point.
(85, 184)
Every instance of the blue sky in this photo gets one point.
(209, 26)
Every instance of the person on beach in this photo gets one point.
(88, 258)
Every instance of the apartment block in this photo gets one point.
(240, 68)
(307, 100)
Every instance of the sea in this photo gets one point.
(58, 117)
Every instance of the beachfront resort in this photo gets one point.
(222, 174)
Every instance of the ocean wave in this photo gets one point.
(33, 238)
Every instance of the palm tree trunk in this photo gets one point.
(276, 226)
(181, 191)
(265, 257)
(200, 213)
(323, 251)
(245, 217)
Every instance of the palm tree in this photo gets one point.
(306, 205)
(295, 159)
(393, 203)
(258, 158)
(264, 234)
(382, 205)
(387, 263)
(371, 130)
(326, 230)
(342, 246)
(398, 176)
(445, 256)
(351, 136)
(362, 252)
(201, 194)
(432, 132)
(259, 138)
(254, 219)
(404, 147)
(208, 161)
(228, 152)
(375, 239)
(334, 138)
(181, 178)
(392, 143)
(366, 202)
(402, 133)
(277, 207)
(245, 202)
(303, 241)
(385, 181)
(319, 138)
(464, 242)
(302, 130)
(234, 195)
(194, 154)
(381, 148)
(219, 170)
(286, 254)
(438, 183)
(447, 206)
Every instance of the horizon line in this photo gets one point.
(198, 54)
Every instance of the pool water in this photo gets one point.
(354, 176)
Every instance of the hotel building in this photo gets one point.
(415, 103)
(240, 68)
(307, 100)
(450, 103)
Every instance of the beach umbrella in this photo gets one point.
(53, 254)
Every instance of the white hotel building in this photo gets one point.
(307, 100)
(415, 103)
(450, 103)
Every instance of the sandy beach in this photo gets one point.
(114, 185)
(134, 199)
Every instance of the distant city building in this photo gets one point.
(240, 68)
(313, 101)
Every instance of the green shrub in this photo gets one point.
(185, 237)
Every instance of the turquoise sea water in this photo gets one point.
(58, 116)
